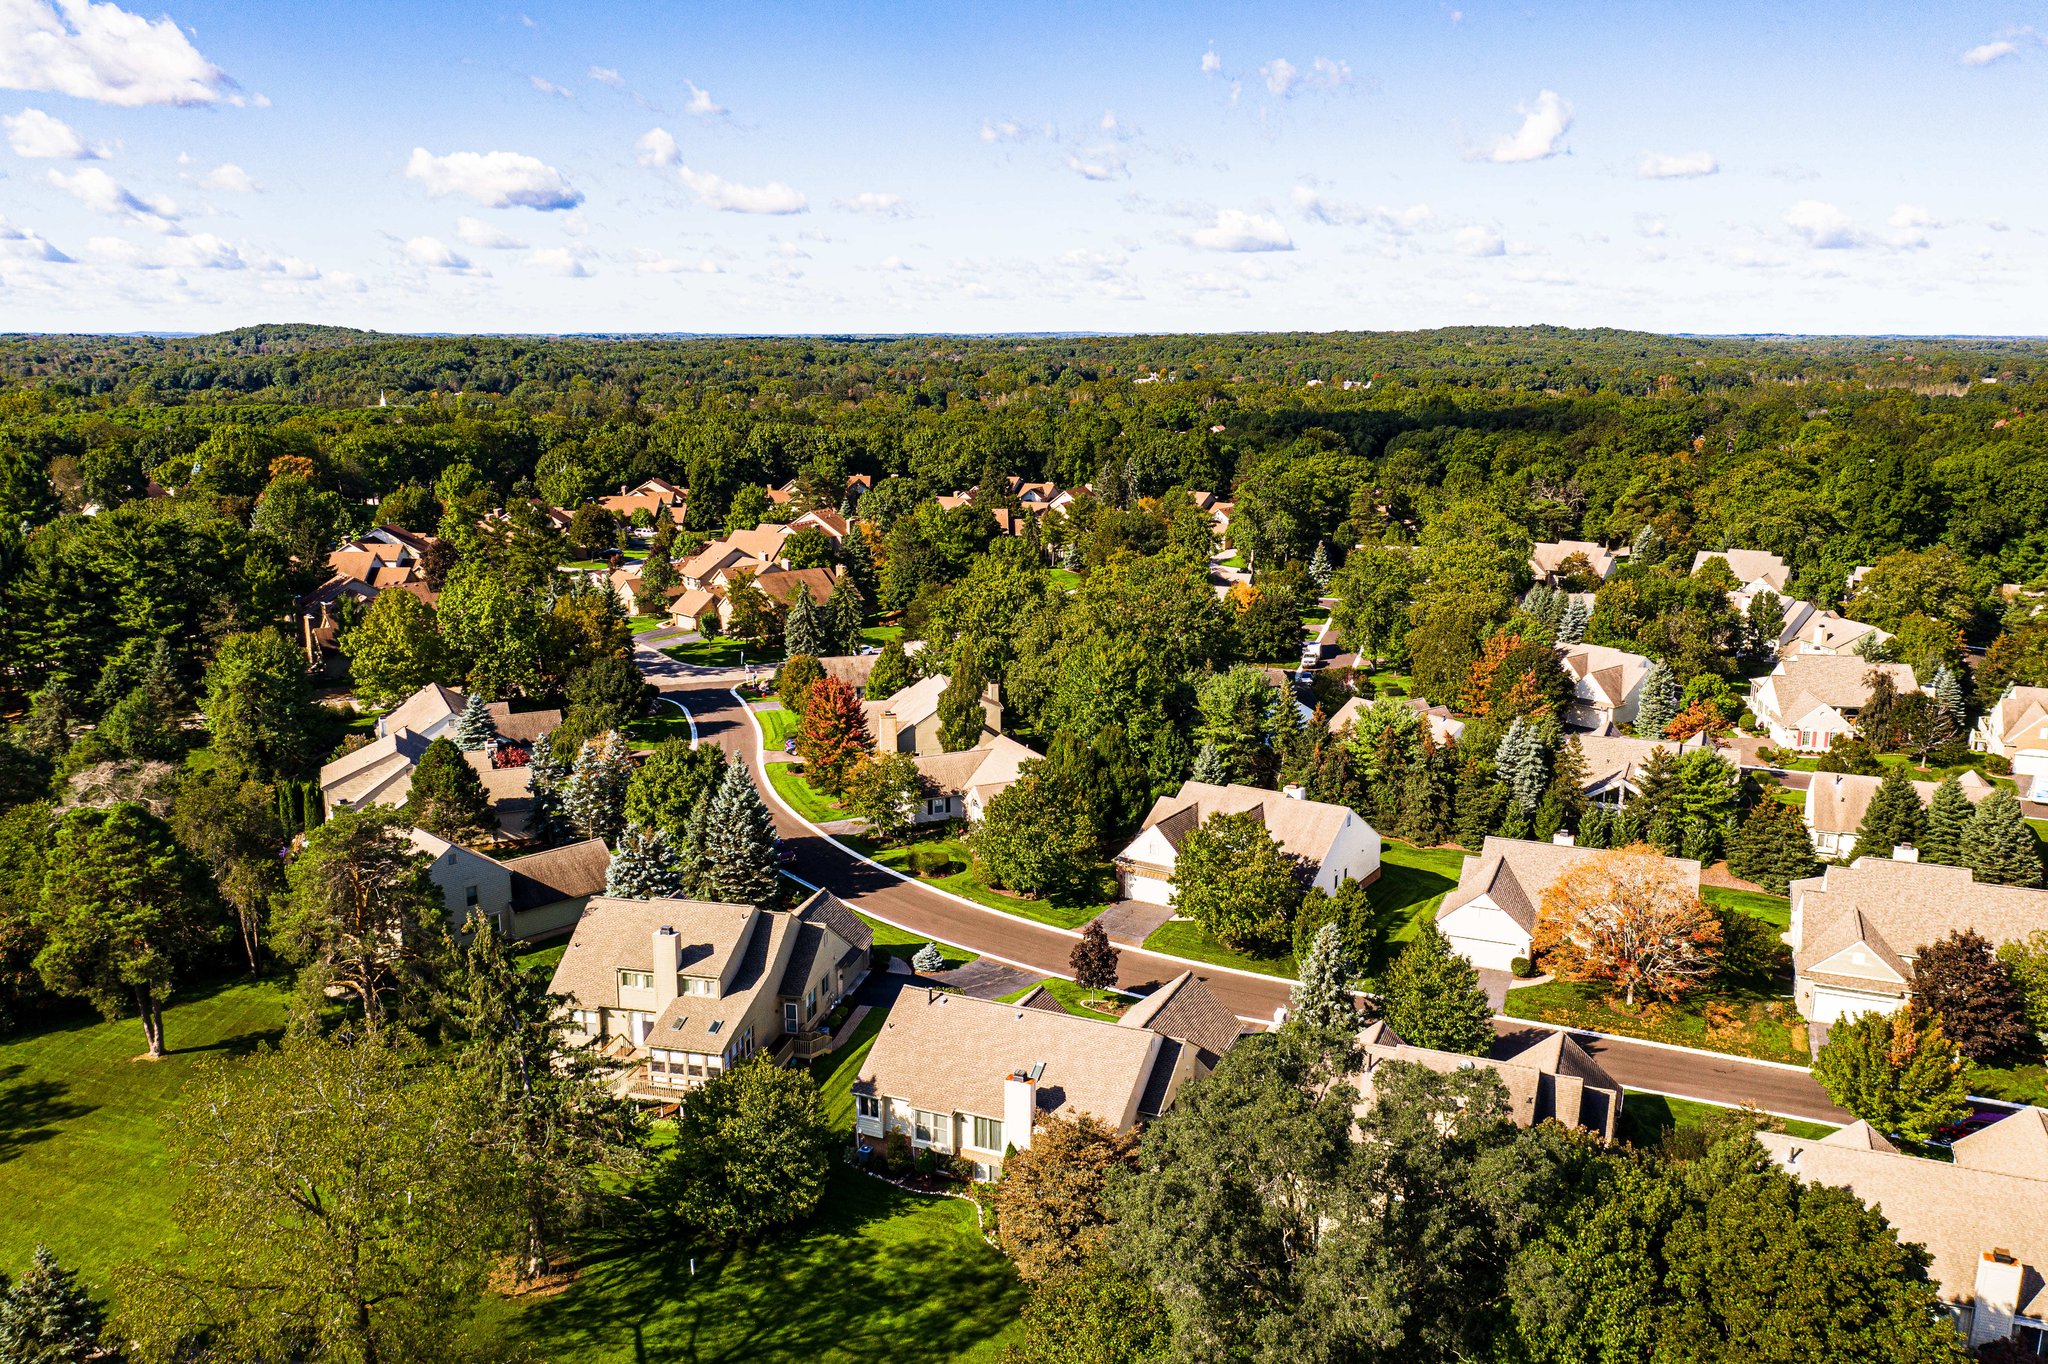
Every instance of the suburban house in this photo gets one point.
(649, 496)
(467, 880)
(1836, 802)
(361, 570)
(960, 785)
(1547, 1075)
(1607, 685)
(1330, 838)
(1546, 559)
(973, 1078)
(908, 722)
(688, 608)
(825, 521)
(1810, 700)
(1491, 916)
(779, 586)
(2017, 729)
(1444, 727)
(380, 772)
(433, 710)
(1755, 571)
(855, 669)
(1856, 929)
(1983, 1214)
(682, 989)
(755, 549)
(1615, 762)
(550, 889)
(1828, 634)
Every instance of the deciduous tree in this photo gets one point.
(753, 1152)
(1899, 1072)
(1431, 996)
(1236, 883)
(1049, 1203)
(395, 649)
(1981, 1008)
(885, 790)
(834, 734)
(259, 706)
(1093, 961)
(1630, 920)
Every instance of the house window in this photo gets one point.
(988, 1134)
(789, 1023)
(937, 807)
(930, 1128)
(698, 985)
(636, 980)
(469, 896)
(869, 1105)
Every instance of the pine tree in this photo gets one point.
(1520, 762)
(447, 798)
(1655, 811)
(1660, 701)
(802, 631)
(1571, 626)
(1948, 695)
(1998, 845)
(739, 842)
(891, 672)
(859, 560)
(1319, 569)
(1211, 766)
(1322, 997)
(1948, 818)
(475, 728)
(1431, 997)
(1773, 848)
(1894, 816)
(1564, 798)
(1070, 558)
(1647, 548)
(594, 797)
(928, 959)
(1594, 826)
(548, 777)
(1477, 805)
(644, 867)
(49, 1317)
(691, 860)
(844, 615)
(1426, 802)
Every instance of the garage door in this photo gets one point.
(1152, 890)
(1486, 955)
(1833, 1006)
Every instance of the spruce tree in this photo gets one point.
(802, 631)
(1571, 626)
(1661, 700)
(844, 615)
(1322, 997)
(49, 1317)
(1948, 695)
(1594, 826)
(891, 672)
(1998, 844)
(1655, 812)
(961, 718)
(691, 860)
(447, 798)
(1894, 816)
(1319, 569)
(644, 867)
(1773, 848)
(739, 842)
(1647, 548)
(1211, 766)
(1948, 817)
(594, 797)
(548, 776)
(1564, 798)
(475, 728)
(928, 959)
(860, 561)
(1070, 558)
(1431, 997)
(1426, 802)
(1520, 762)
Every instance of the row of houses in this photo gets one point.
(380, 772)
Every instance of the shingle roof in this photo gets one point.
(1805, 682)
(1185, 1010)
(1618, 758)
(1836, 801)
(523, 726)
(2020, 709)
(354, 775)
(617, 934)
(699, 1022)
(425, 708)
(992, 765)
(569, 873)
(1514, 873)
(1912, 904)
(913, 705)
(1546, 556)
(780, 584)
(1544, 1079)
(822, 921)
(1748, 565)
(1305, 828)
(828, 909)
(1603, 675)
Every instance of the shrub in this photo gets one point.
(1522, 967)
(894, 1156)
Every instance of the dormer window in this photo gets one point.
(698, 985)
(636, 980)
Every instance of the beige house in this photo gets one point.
(550, 889)
(1444, 727)
(960, 785)
(682, 989)
(1330, 838)
(468, 881)
(1836, 803)
(1607, 685)
(973, 1078)
(650, 496)
(1615, 762)
(380, 772)
(1755, 571)
(1829, 635)
(1983, 1217)
(2017, 729)
(1546, 558)
(1810, 700)
(1856, 929)
(756, 550)
(1491, 917)
(1548, 1078)
(908, 722)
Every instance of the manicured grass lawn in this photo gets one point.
(1066, 580)
(897, 943)
(719, 653)
(912, 859)
(667, 723)
(82, 1166)
(1645, 1118)
(1741, 1023)
(1073, 998)
(2014, 1084)
(1775, 910)
(542, 960)
(802, 797)
(777, 726)
(1180, 938)
(1315, 615)
(878, 635)
(641, 624)
(879, 1274)
(836, 1073)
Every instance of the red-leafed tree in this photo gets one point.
(1628, 918)
(834, 734)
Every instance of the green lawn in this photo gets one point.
(719, 653)
(642, 624)
(836, 1073)
(1066, 580)
(1073, 998)
(1739, 1022)
(2014, 1084)
(668, 723)
(82, 1166)
(1645, 1118)
(898, 943)
(1775, 910)
(1180, 938)
(878, 635)
(777, 725)
(802, 797)
(543, 960)
(948, 856)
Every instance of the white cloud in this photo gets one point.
(605, 75)
(1479, 241)
(701, 103)
(1237, 230)
(435, 254)
(651, 262)
(1910, 216)
(1824, 227)
(493, 179)
(657, 147)
(484, 236)
(559, 260)
(1280, 76)
(1311, 204)
(873, 202)
(548, 87)
(1211, 63)
(714, 191)
(19, 243)
(1098, 163)
(37, 135)
(202, 251)
(101, 193)
(1649, 225)
(1983, 54)
(895, 263)
(1677, 166)
(1283, 78)
(1004, 130)
(1326, 73)
(103, 52)
(1541, 135)
(230, 178)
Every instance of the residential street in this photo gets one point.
(1691, 1074)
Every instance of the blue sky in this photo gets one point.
(941, 167)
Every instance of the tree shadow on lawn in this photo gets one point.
(1395, 897)
(31, 1111)
(846, 1286)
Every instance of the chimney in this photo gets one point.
(668, 964)
(885, 731)
(1563, 839)
(1905, 852)
(2000, 1277)
(1020, 1108)
(1294, 791)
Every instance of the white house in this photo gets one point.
(2017, 729)
(1444, 727)
(1829, 634)
(1332, 838)
(467, 880)
(1836, 803)
(908, 722)
(1491, 916)
(1856, 930)
(960, 785)
(1607, 684)
(1810, 700)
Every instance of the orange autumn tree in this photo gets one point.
(834, 734)
(1514, 676)
(1632, 920)
(1701, 717)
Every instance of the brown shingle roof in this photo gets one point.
(1911, 904)
(1836, 801)
(1549, 1078)
(1305, 828)
(1806, 681)
(1186, 1011)
(1514, 873)
(616, 934)
(780, 584)
(570, 873)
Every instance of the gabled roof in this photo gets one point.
(1821, 956)
(780, 584)
(825, 519)
(431, 705)
(913, 705)
(1185, 1010)
(1617, 759)
(1603, 676)
(617, 934)
(1804, 682)
(1547, 556)
(522, 726)
(1513, 873)
(1305, 828)
(994, 762)
(1748, 566)
(354, 775)
(1836, 801)
(2022, 709)
(1544, 1078)
(2015, 1145)
(1827, 632)
(567, 873)
(1912, 904)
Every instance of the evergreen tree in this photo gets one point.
(475, 728)
(844, 614)
(447, 797)
(1998, 845)
(1478, 805)
(1571, 626)
(1211, 766)
(1322, 997)
(928, 959)
(1070, 558)
(1426, 801)
(1647, 548)
(802, 631)
(1894, 816)
(1660, 702)
(1431, 997)
(1948, 696)
(739, 842)
(1520, 762)
(961, 718)
(1564, 799)
(1319, 569)
(1594, 827)
(1948, 818)
(860, 561)
(691, 860)
(594, 797)
(48, 1316)
(644, 867)
(1773, 848)
(1761, 629)
(549, 776)
(1657, 809)
(891, 672)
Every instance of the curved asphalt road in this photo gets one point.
(1037, 947)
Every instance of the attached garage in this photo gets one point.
(1832, 1004)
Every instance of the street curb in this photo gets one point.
(686, 715)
